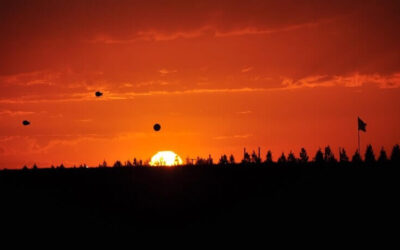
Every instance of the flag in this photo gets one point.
(362, 125)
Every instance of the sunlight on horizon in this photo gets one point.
(165, 158)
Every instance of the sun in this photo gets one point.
(165, 158)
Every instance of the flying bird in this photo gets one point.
(25, 122)
(98, 94)
(157, 127)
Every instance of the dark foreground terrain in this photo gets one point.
(312, 198)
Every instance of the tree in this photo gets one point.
(268, 159)
(246, 158)
(356, 158)
(117, 164)
(223, 160)
(329, 157)
(382, 156)
(231, 160)
(319, 156)
(177, 161)
(34, 167)
(369, 155)
(343, 156)
(291, 158)
(255, 158)
(103, 165)
(303, 155)
(210, 160)
(189, 161)
(395, 156)
(282, 159)
(201, 162)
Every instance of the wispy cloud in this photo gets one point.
(15, 113)
(354, 80)
(31, 78)
(44, 143)
(207, 30)
(247, 69)
(317, 81)
(246, 112)
(88, 96)
(238, 136)
(166, 71)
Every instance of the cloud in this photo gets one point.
(246, 112)
(286, 83)
(290, 38)
(207, 30)
(238, 136)
(166, 71)
(85, 120)
(248, 69)
(31, 78)
(15, 113)
(354, 80)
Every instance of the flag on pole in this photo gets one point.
(362, 125)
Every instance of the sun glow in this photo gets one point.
(165, 158)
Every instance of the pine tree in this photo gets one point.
(282, 159)
(117, 164)
(395, 156)
(210, 160)
(303, 155)
(223, 160)
(319, 157)
(291, 158)
(382, 156)
(255, 158)
(356, 158)
(246, 158)
(343, 156)
(369, 155)
(269, 157)
(231, 160)
(329, 157)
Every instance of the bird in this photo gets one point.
(25, 122)
(98, 94)
(157, 127)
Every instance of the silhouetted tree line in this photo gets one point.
(321, 157)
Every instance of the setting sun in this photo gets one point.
(165, 158)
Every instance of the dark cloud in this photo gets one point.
(296, 38)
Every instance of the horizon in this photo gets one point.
(82, 82)
(329, 157)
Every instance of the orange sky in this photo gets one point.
(217, 77)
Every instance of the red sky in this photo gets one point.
(217, 75)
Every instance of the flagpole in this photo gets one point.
(358, 131)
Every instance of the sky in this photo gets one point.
(217, 76)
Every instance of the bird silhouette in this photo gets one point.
(157, 127)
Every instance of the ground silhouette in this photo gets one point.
(225, 197)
